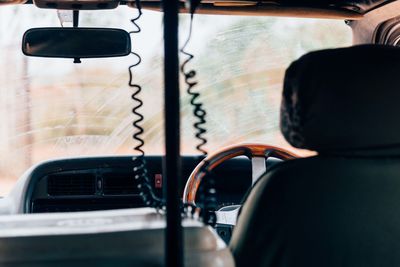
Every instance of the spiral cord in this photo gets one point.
(208, 192)
(198, 111)
(140, 169)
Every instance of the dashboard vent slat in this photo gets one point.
(71, 184)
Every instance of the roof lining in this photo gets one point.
(249, 8)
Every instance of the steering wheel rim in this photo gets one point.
(212, 161)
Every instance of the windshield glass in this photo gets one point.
(51, 108)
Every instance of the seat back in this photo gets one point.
(322, 211)
(341, 207)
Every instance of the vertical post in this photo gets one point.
(172, 162)
(75, 18)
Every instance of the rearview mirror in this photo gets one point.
(76, 42)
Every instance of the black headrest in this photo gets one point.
(344, 100)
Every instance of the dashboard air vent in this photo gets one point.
(119, 184)
(71, 184)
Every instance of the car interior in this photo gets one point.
(315, 186)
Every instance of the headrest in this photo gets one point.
(344, 100)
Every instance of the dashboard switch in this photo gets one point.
(158, 180)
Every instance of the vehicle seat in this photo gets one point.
(341, 207)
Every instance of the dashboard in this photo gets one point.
(104, 183)
(107, 183)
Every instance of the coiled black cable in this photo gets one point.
(208, 192)
(140, 170)
(198, 110)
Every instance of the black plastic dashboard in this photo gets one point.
(101, 183)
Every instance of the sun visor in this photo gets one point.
(259, 8)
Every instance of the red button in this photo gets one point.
(158, 181)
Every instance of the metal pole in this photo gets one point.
(75, 19)
(172, 162)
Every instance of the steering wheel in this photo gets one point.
(257, 153)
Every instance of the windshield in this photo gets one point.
(51, 108)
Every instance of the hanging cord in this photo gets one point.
(140, 170)
(208, 194)
(198, 110)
